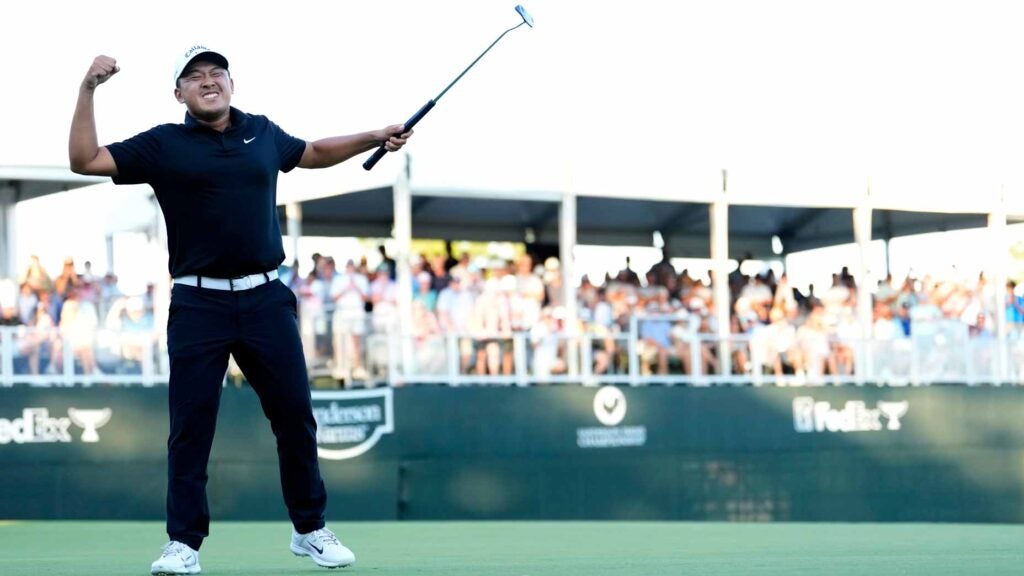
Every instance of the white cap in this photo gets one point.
(193, 52)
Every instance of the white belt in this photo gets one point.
(231, 284)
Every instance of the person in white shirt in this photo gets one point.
(349, 291)
(454, 312)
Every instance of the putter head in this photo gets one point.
(526, 15)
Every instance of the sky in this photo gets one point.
(801, 101)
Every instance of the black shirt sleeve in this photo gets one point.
(136, 158)
(289, 148)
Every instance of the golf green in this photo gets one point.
(94, 548)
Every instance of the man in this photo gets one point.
(455, 312)
(349, 291)
(215, 177)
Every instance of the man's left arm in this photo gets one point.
(327, 152)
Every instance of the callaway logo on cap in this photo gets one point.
(194, 52)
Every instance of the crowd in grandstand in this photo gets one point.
(70, 310)
(783, 330)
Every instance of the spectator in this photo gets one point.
(78, 323)
(885, 327)
(27, 303)
(384, 295)
(552, 278)
(781, 336)
(886, 293)
(454, 313)
(493, 329)
(907, 297)
(663, 270)
(109, 292)
(627, 275)
(602, 328)
(546, 345)
(428, 346)
(980, 327)
(737, 279)
(461, 268)
(311, 313)
(321, 289)
(135, 324)
(10, 318)
(424, 291)
(36, 345)
(528, 297)
(36, 277)
(349, 291)
(784, 297)
(656, 334)
(67, 280)
(903, 318)
(9, 314)
(439, 276)
(837, 300)
(815, 357)
(846, 335)
(707, 331)
(758, 294)
(449, 260)
(387, 263)
(88, 276)
(890, 346)
(1014, 305)
(289, 275)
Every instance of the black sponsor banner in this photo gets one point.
(486, 421)
(752, 454)
(101, 453)
(948, 453)
(53, 425)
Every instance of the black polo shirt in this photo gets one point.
(218, 191)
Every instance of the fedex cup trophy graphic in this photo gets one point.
(89, 421)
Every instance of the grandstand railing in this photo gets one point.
(937, 353)
(54, 358)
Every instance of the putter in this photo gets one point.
(380, 152)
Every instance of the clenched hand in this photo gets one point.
(103, 67)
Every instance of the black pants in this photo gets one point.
(257, 326)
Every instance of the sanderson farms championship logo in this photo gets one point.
(610, 410)
(350, 423)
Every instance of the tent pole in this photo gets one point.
(566, 243)
(8, 254)
(403, 273)
(865, 309)
(997, 275)
(293, 213)
(719, 214)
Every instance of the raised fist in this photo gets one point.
(103, 67)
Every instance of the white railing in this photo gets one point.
(941, 354)
(51, 358)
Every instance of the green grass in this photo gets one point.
(32, 548)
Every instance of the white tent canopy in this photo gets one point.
(18, 183)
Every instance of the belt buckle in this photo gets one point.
(242, 283)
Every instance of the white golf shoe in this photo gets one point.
(176, 558)
(323, 547)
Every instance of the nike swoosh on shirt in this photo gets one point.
(247, 140)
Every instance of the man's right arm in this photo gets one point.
(84, 152)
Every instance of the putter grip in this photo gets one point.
(380, 152)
